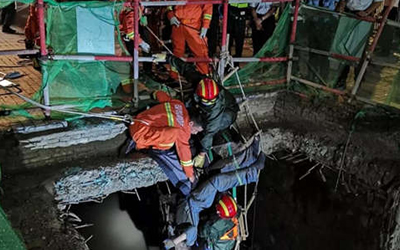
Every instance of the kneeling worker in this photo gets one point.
(216, 106)
(159, 129)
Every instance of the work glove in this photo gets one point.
(125, 38)
(143, 21)
(160, 57)
(168, 244)
(203, 32)
(174, 21)
(145, 46)
(199, 160)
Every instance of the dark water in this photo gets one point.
(114, 224)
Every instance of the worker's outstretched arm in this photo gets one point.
(207, 15)
(185, 155)
(168, 244)
(187, 70)
(161, 96)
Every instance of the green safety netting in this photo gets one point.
(84, 84)
(259, 72)
(4, 3)
(73, 27)
(9, 240)
(332, 33)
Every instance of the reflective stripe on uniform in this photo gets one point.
(187, 163)
(130, 35)
(232, 233)
(170, 116)
(224, 208)
(239, 5)
(207, 16)
(165, 145)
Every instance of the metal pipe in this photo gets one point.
(383, 64)
(43, 51)
(318, 86)
(190, 2)
(136, 54)
(19, 52)
(150, 59)
(224, 40)
(294, 25)
(290, 63)
(368, 19)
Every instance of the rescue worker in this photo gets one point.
(216, 106)
(220, 231)
(250, 161)
(32, 28)
(159, 129)
(190, 24)
(128, 31)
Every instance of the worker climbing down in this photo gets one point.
(249, 162)
(159, 129)
(221, 230)
(216, 106)
(128, 31)
(189, 25)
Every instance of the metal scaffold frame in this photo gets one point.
(365, 60)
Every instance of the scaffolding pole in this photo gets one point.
(136, 54)
(292, 40)
(318, 86)
(224, 42)
(43, 51)
(371, 50)
(329, 54)
(191, 2)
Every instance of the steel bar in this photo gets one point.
(371, 50)
(309, 171)
(318, 86)
(19, 52)
(273, 82)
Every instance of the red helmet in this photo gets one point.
(207, 89)
(226, 207)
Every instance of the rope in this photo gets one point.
(126, 118)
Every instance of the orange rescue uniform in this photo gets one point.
(192, 19)
(168, 125)
(32, 25)
(127, 25)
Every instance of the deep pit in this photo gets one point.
(297, 207)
